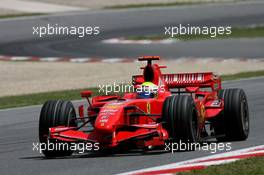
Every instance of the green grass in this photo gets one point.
(243, 75)
(252, 166)
(145, 5)
(40, 98)
(238, 32)
(19, 15)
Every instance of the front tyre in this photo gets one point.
(180, 119)
(55, 113)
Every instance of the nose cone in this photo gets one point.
(109, 115)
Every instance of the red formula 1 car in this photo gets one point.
(179, 110)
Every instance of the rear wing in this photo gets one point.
(182, 80)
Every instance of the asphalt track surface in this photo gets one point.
(16, 37)
(19, 128)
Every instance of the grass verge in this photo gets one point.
(238, 32)
(252, 166)
(176, 3)
(243, 75)
(40, 98)
(20, 15)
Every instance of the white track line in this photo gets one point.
(80, 60)
(216, 159)
(145, 41)
(49, 59)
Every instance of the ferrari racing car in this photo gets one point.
(186, 107)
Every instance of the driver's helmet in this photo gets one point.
(147, 90)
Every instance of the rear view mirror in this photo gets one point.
(86, 94)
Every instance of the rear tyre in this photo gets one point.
(179, 115)
(55, 113)
(233, 123)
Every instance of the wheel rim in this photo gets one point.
(244, 116)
